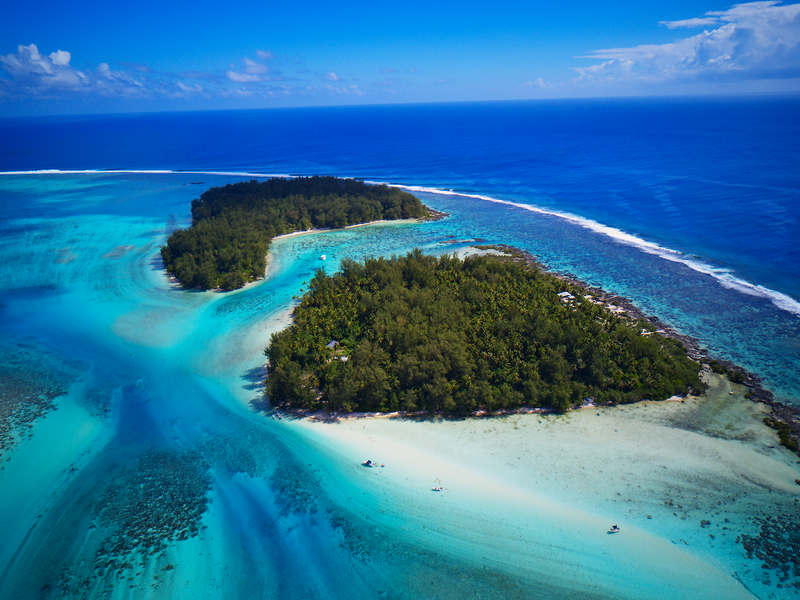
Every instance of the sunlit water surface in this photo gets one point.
(139, 459)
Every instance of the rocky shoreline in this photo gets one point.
(435, 215)
(781, 414)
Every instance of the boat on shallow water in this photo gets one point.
(368, 463)
(614, 529)
(436, 489)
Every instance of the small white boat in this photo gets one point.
(614, 529)
(368, 463)
(323, 257)
(436, 489)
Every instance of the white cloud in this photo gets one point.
(105, 72)
(756, 40)
(32, 73)
(29, 74)
(745, 10)
(35, 71)
(60, 57)
(238, 77)
(350, 91)
(537, 83)
(254, 68)
(696, 22)
(182, 90)
(196, 88)
(610, 71)
(736, 13)
(251, 71)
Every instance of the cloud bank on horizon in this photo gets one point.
(752, 41)
(747, 43)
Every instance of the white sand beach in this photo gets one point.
(310, 231)
(535, 494)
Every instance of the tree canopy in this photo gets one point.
(232, 226)
(443, 334)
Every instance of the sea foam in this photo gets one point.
(144, 172)
(723, 276)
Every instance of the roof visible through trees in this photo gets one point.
(422, 333)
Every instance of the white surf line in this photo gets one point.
(145, 172)
(722, 276)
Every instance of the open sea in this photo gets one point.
(138, 458)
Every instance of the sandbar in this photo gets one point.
(534, 494)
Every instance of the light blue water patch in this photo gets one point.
(750, 330)
(185, 477)
(714, 177)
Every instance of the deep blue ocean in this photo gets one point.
(689, 207)
(709, 182)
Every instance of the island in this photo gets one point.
(423, 334)
(419, 333)
(232, 226)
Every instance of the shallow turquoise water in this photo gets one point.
(157, 473)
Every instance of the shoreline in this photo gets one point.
(780, 413)
(787, 415)
(311, 231)
(176, 284)
(626, 308)
(435, 215)
(321, 416)
(529, 475)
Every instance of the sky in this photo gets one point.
(120, 57)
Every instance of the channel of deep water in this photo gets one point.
(141, 462)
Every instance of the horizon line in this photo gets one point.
(684, 96)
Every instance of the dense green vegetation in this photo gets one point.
(441, 334)
(784, 433)
(232, 226)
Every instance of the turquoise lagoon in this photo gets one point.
(140, 460)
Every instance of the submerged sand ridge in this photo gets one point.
(523, 513)
(530, 497)
(534, 495)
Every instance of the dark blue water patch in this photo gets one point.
(172, 412)
(714, 177)
(13, 231)
(748, 330)
(717, 179)
(30, 292)
(138, 427)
